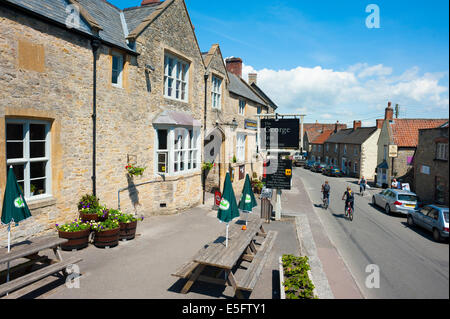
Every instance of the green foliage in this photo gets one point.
(134, 170)
(108, 224)
(207, 166)
(73, 226)
(121, 217)
(88, 201)
(297, 283)
(101, 211)
(258, 184)
(234, 159)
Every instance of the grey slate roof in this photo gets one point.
(134, 16)
(350, 136)
(238, 87)
(104, 13)
(264, 96)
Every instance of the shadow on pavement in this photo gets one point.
(276, 284)
(201, 288)
(378, 208)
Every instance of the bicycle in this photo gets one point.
(326, 202)
(349, 212)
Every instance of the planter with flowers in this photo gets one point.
(106, 233)
(127, 222)
(90, 209)
(88, 214)
(134, 170)
(76, 232)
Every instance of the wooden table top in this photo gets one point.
(30, 247)
(217, 255)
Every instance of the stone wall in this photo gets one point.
(425, 184)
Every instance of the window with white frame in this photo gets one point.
(175, 78)
(355, 167)
(345, 149)
(320, 148)
(442, 151)
(242, 107)
(335, 148)
(28, 152)
(355, 151)
(216, 92)
(117, 69)
(177, 150)
(327, 147)
(240, 147)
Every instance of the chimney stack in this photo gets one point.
(145, 2)
(252, 78)
(389, 112)
(234, 65)
(380, 123)
(336, 127)
(356, 125)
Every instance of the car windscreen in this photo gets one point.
(446, 217)
(408, 198)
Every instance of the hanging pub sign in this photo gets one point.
(280, 133)
(281, 179)
(241, 172)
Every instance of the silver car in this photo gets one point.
(433, 218)
(396, 201)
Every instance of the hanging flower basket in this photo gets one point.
(134, 170)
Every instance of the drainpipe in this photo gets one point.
(206, 76)
(95, 43)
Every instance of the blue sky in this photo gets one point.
(319, 58)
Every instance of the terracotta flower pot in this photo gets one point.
(77, 240)
(107, 238)
(128, 230)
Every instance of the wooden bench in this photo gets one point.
(246, 280)
(37, 275)
(30, 250)
(185, 270)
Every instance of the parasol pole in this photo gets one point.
(9, 249)
(226, 237)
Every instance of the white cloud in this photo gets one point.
(360, 92)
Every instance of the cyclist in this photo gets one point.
(362, 185)
(349, 199)
(326, 192)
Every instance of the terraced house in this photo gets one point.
(137, 74)
(231, 105)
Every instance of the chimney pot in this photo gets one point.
(389, 112)
(356, 125)
(234, 65)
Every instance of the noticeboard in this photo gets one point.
(281, 179)
(280, 133)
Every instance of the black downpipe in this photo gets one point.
(95, 45)
(204, 135)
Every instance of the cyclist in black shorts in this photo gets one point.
(326, 192)
(349, 198)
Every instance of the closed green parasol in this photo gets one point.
(15, 209)
(228, 208)
(248, 201)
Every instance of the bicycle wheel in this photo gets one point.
(350, 214)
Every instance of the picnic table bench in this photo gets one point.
(30, 250)
(214, 259)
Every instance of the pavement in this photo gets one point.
(142, 268)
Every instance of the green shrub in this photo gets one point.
(297, 284)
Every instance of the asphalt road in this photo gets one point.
(411, 264)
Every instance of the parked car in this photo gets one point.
(299, 159)
(309, 164)
(396, 201)
(433, 218)
(318, 167)
(332, 170)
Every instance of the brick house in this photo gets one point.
(431, 165)
(313, 130)
(354, 150)
(232, 104)
(400, 135)
(149, 106)
(318, 147)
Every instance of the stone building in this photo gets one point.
(354, 150)
(431, 166)
(231, 106)
(399, 138)
(149, 101)
(318, 147)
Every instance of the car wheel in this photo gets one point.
(410, 221)
(388, 209)
(436, 235)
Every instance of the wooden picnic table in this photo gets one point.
(214, 259)
(30, 249)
